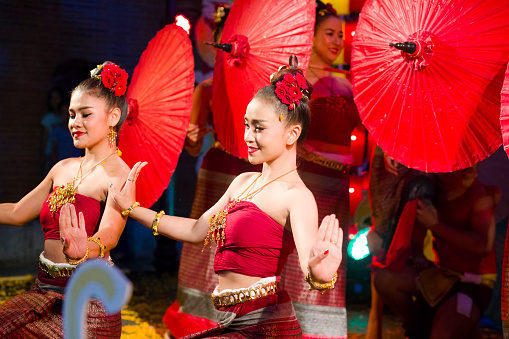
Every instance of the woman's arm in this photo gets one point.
(319, 249)
(29, 207)
(178, 228)
(111, 225)
(199, 116)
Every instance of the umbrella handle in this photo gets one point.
(225, 47)
(408, 47)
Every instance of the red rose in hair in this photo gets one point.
(120, 89)
(289, 78)
(114, 78)
(295, 93)
(287, 99)
(107, 80)
(301, 81)
(280, 92)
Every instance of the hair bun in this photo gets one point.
(293, 70)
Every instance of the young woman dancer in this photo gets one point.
(260, 219)
(97, 110)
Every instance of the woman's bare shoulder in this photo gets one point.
(117, 169)
(243, 178)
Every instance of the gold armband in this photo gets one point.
(155, 223)
(321, 287)
(78, 261)
(128, 211)
(102, 248)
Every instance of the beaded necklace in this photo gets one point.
(218, 220)
(67, 193)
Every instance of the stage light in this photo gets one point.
(358, 246)
(183, 22)
(351, 190)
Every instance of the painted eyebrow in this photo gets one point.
(80, 108)
(256, 121)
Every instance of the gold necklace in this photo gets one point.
(218, 220)
(67, 193)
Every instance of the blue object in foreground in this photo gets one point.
(94, 279)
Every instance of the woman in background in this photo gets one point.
(325, 169)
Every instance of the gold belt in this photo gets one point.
(245, 294)
(54, 271)
(319, 160)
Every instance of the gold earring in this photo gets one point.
(112, 137)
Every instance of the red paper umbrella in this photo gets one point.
(160, 98)
(504, 112)
(436, 107)
(262, 36)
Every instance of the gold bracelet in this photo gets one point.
(128, 211)
(155, 223)
(102, 248)
(321, 287)
(78, 261)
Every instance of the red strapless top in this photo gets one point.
(255, 245)
(92, 211)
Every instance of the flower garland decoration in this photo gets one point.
(289, 90)
(113, 77)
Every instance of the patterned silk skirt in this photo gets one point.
(193, 310)
(38, 314)
(272, 316)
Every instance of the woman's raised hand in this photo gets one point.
(73, 234)
(127, 196)
(195, 133)
(326, 254)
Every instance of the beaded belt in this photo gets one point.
(245, 294)
(57, 270)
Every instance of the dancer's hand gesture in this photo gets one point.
(73, 234)
(326, 254)
(127, 196)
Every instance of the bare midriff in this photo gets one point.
(231, 280)
(53, 251)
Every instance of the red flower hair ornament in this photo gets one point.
(112, 76)
(290, 89)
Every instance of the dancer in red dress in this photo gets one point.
(259, 220)
(97, 110)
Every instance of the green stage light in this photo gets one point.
(358, 246)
